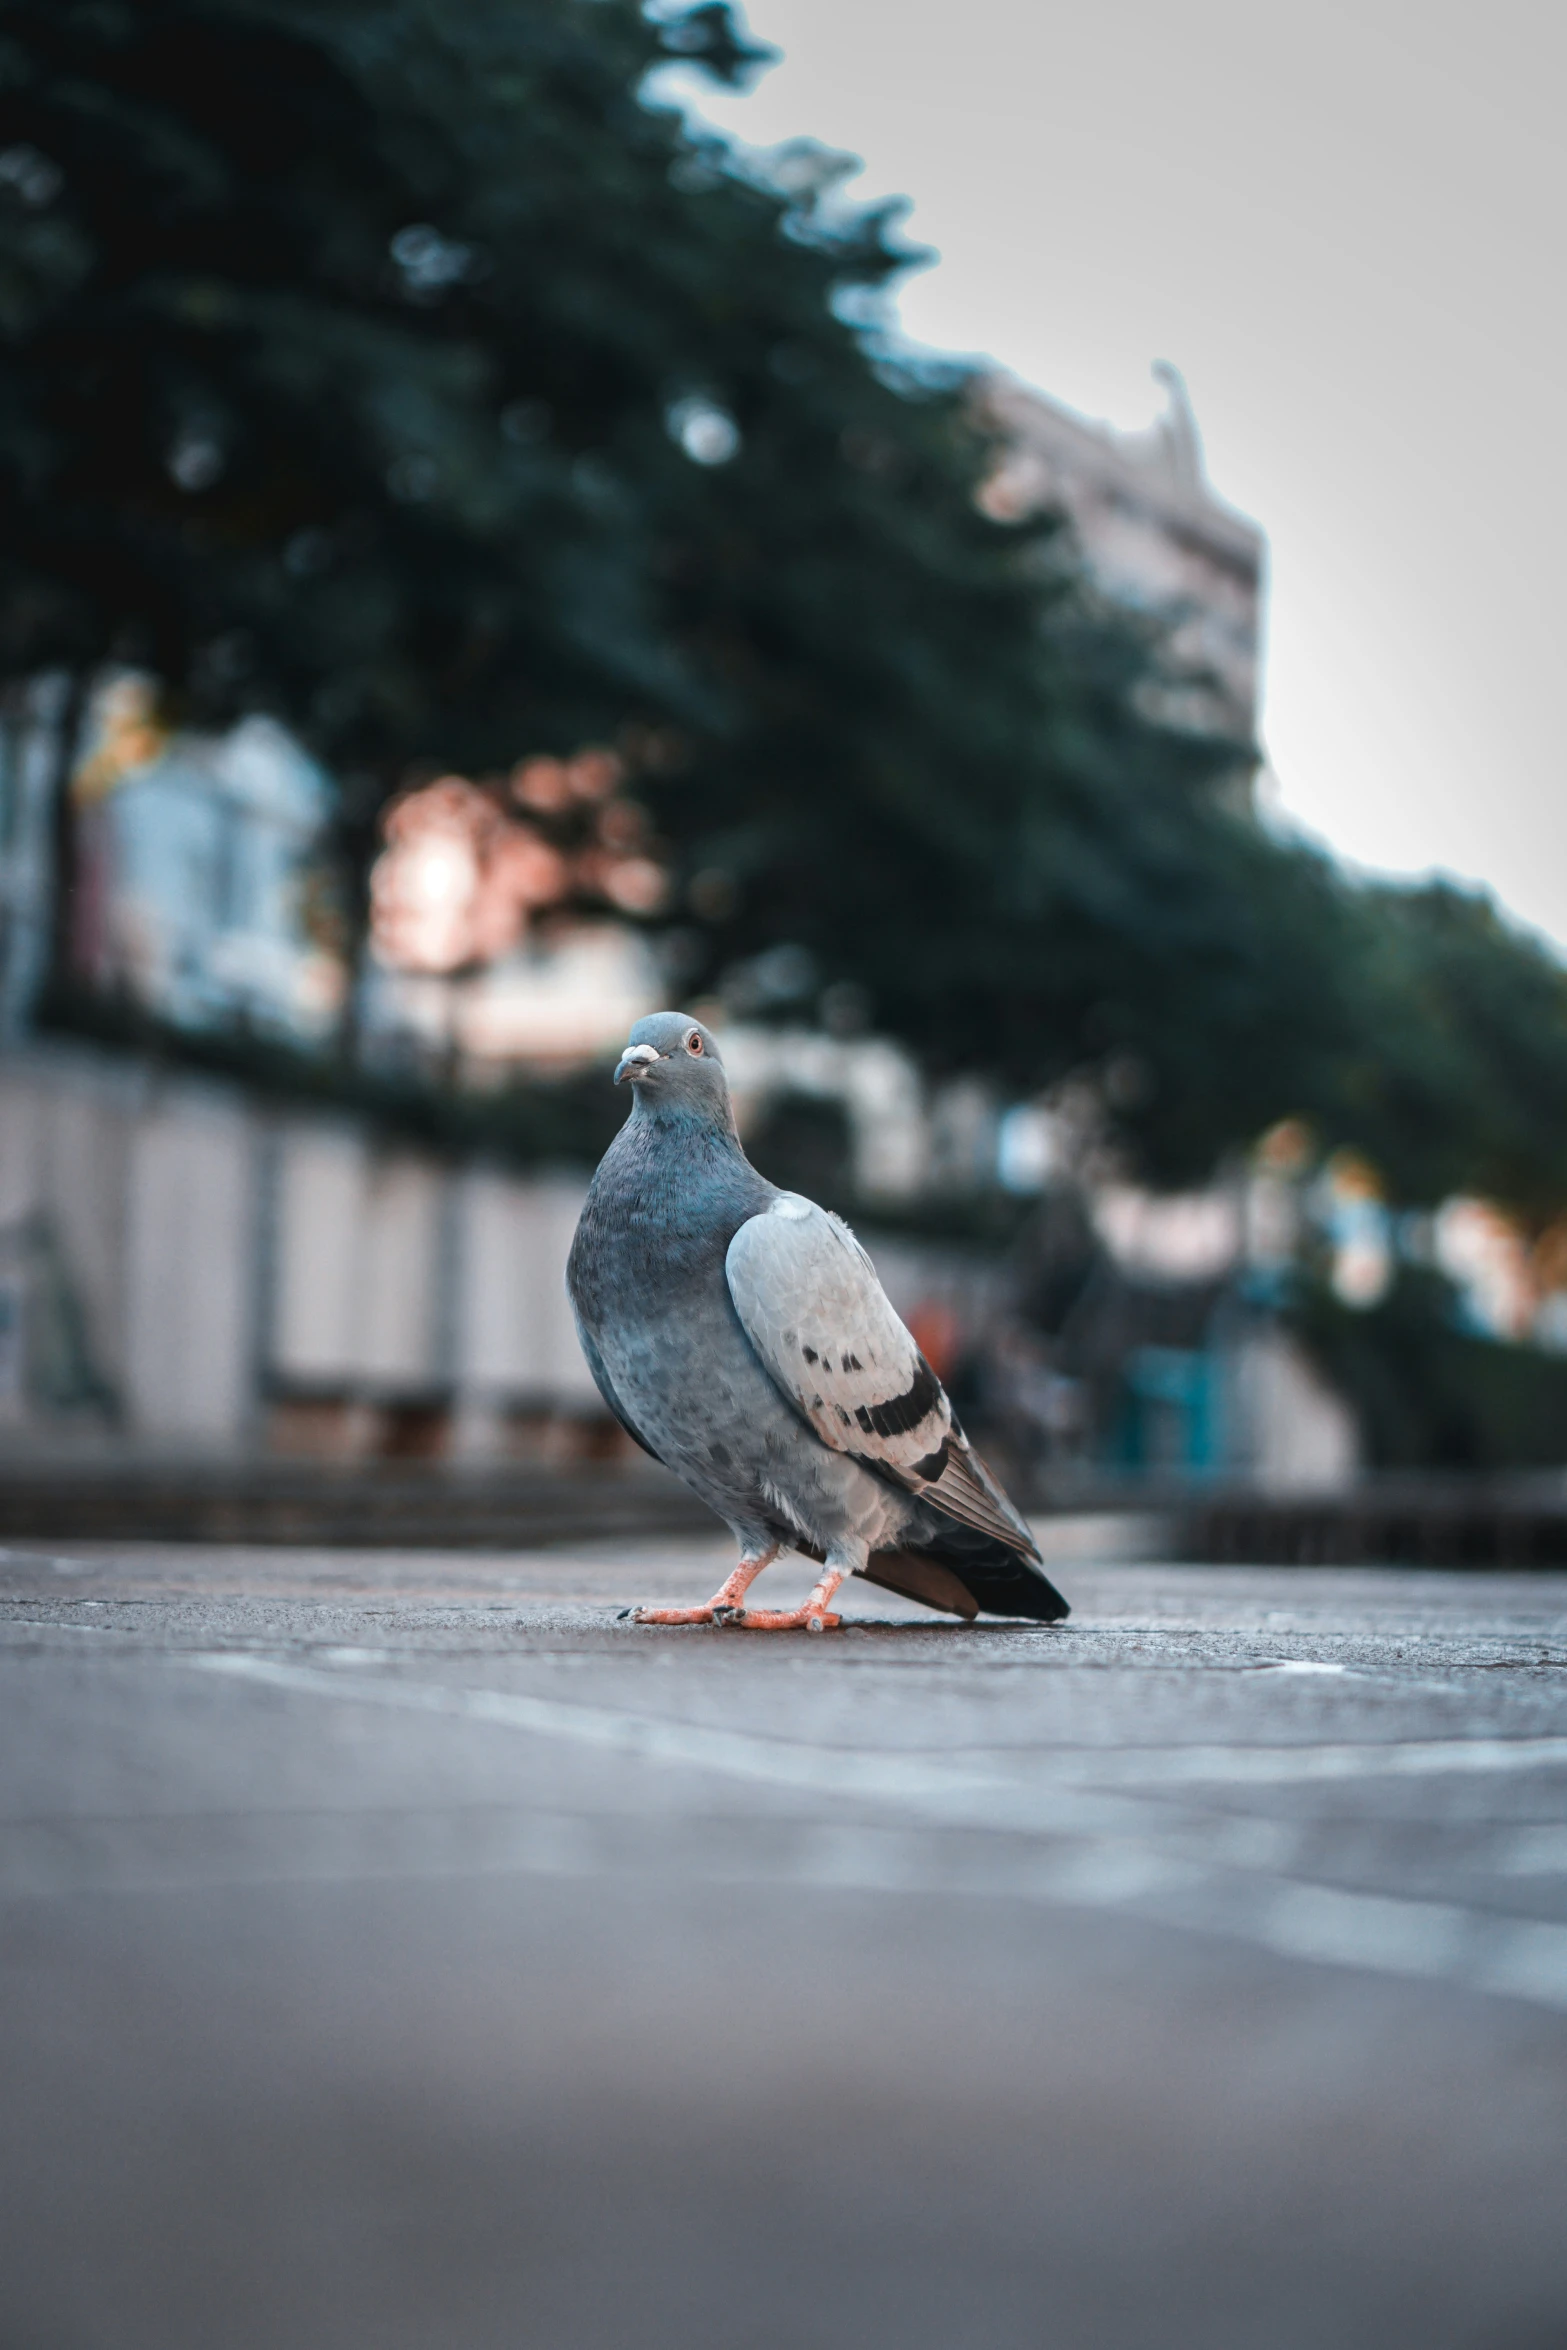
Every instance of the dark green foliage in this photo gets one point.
(1458, 1077)
(1428, 1394)
(1414, 1023)
(273, 432)
(803, 1143)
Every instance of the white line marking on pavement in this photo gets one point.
(1123, 1866)
(786, 1762)
(783, 1762)
(1270, 1766)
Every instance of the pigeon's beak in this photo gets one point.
(634, 1062)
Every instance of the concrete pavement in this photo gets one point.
(397, 1949)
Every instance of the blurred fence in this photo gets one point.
(184, 1266)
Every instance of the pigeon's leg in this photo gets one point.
(726, 1602)
(815, 1616)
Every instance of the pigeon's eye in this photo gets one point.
(693, 1042)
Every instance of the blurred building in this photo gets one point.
(498, 939)
(1154, 536)
(201, 888)
(557, 1002)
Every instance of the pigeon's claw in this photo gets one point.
(671, 1615)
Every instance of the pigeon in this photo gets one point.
(740, 1335)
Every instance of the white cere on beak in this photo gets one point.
(633, 1061)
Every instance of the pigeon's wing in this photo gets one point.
(605, 1386)
(811, 1305)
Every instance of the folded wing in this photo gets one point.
(810, 1303)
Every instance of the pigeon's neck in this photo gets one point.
(669, 1195)
(685, 1122)
(679, 1164)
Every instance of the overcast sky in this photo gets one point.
(1344, 224)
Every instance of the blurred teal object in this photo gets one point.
(1170, 1417)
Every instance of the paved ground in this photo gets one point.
(399, 1951)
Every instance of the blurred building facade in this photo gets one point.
(201, 888)
(1154, 535)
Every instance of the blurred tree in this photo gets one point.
(268, 430)
(1458, 1077)
(399, 367)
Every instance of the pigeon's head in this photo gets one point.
(673, 1064)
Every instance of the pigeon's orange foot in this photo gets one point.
(725, 1605)
(777, 1619)
(815, 1616)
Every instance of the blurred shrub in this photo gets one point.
(1428, 1394)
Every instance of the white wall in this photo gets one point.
(138, 1199)
(395, 1276)
(1291, 1431)
(189, 1265)
(218, 1255)
(357, 1264)
(514, 1331)
(318, 1180)
(401, 1274)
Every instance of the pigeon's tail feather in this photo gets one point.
(961, 1571)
